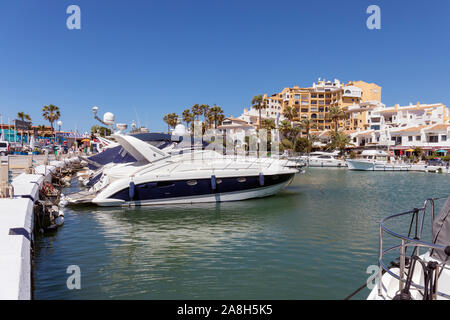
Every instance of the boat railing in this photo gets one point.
(407, 241)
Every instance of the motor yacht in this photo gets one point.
(324, 159)
(421, 272)
(160, 177)
(376, 160)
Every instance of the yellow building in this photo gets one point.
(314, 102)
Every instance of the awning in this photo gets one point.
(410, 150)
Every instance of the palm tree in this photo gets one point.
(268, 124)
(339, 140)
(335, 113)
(204, 108)
(188, 117)
(171, 119)
(307, 125)
(51, 113)
(216, 113)
(258, 104)
(42, 129)
(290, 113)
(166, 119)
(23, 116)
(289, 132)
(196, 111)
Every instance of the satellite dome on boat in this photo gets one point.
(180, 130)
(108, 118)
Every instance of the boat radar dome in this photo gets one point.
(180, 130)
(108, 118)
(122, 127)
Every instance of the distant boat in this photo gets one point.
(376, 160)
(321, 159)
(325, 159)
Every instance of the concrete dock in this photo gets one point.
(16, 229)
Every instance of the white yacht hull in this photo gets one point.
(218, 197)
(390, 285)
(364, 165)
(318, 163)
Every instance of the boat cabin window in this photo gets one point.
(241, 179)
(324, 157)
(192, 182)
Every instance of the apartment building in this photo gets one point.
(272, 111)
(404, 127)
(314, 102)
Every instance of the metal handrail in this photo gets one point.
(405, 242)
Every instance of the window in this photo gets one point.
(418, 138)
(410, 138)
(444, 137)
(433, 139)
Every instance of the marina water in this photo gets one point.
(314, 240)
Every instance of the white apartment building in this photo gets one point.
(237, 129)
(272, 111)
(405, 127)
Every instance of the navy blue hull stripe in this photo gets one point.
(188, 188)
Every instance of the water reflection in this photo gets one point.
(312, 241)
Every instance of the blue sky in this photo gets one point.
(142, 59)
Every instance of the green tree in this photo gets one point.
(103, 131)
(307, 125)
(23, 116)
(258, 104)
(290, 113)
(216, 114)
(204, 108)
(188, 117)
(42, 128)
(335, 113)
(196, 111)
(171, 119)
(288, 130)
(51, 113)
(340, 141)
